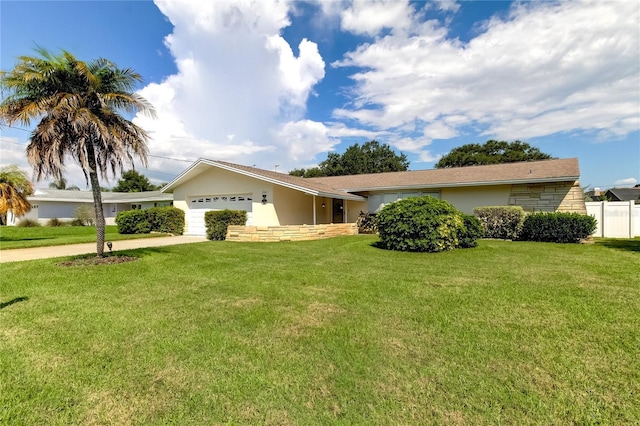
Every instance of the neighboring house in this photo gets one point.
(47, 204)
(623, 194)
(277, 199)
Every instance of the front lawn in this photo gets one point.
(325, 332)
(13, 237)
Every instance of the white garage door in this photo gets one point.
(198, 206)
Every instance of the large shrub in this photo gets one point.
(166, 219)
(557, 227)
(133, 222)
(503, 222)
(425, 224)
(218, 221)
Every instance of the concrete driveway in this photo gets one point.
(17, 255)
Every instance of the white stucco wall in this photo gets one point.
(219, 181)
(293, 207)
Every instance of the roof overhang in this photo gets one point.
(202, 164)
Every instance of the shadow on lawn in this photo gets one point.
(12, 301)
(6, 239)
(621, 244)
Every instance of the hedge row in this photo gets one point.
(501, 221)
(218, 221)
(557, 227)
(157, 219)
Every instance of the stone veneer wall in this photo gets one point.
(549, 197)
(289, 232)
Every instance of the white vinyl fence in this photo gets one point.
(616, 219)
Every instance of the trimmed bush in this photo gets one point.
(557, 227)
(28, 223)
(218, 221)
(133, 222)
(158, 219)
(166, 219)
(425, 224)
(503, 222)
(367, 223)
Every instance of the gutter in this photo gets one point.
(463, 184)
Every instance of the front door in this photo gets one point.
(338, 211)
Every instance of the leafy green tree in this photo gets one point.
(15, 187)
(491, 152)
(371, 157)
(77, 106)
(132, 181)
(308, 173)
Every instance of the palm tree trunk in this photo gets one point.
(97, 200)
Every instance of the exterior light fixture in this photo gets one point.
(324, 205)
(110, 245)
(264, 198)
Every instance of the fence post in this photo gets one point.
(631, 218)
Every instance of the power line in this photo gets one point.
(18, 128)
(169, 158)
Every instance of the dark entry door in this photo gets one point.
(338, 211)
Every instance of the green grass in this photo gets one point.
(326, 332)
(12, 237)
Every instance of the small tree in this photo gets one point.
(132, 181)
(85, 216)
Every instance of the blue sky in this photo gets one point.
(281, 84)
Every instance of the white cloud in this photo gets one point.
(305, 138)
(446, 5)
(371, 17)
(236, 76)
(626, 182)
(547, 68)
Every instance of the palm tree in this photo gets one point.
(78, 105)
(58, 184)
(62, 184)
(14, 190)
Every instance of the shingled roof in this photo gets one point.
(107, 196)
(345, 186)
(523, 172)
(294, 182)
(624, 194)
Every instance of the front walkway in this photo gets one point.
(17, 255)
